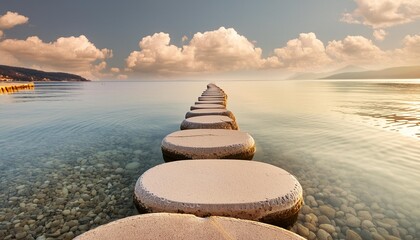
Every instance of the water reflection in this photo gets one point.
(70, 164)
(391, 106)
(343, 159)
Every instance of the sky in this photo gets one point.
(197, 39)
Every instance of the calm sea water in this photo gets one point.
(70, 153)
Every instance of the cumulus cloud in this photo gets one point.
(12, 19)
(122, 77)
(72, 54)
(213, 51)
(304, 52)
(383, 13)
(356, 50)
(379, 34)
(409, 53)
(115, 70)
(224, 50)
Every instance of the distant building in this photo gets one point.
(5, 78)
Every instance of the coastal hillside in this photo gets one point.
(8, 73)
(321, 75)
(411, 72)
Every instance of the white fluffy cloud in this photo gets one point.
(356, 50)
(115, 70)
(10, 20)
(68, 54)
(379, 34)
(410, 51)
(304, 52)
(383, 13)
(213, 51)
(71, 54)
(224, 50)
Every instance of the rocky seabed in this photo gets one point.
(97, 188)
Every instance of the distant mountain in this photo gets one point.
(388, 73)
(29, 75)
(309, 76)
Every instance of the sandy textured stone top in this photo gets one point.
(208, 142)
(217, 182)
(168, 226)
(209, 111)
(209, 122)
(209, 119)
(214, 92)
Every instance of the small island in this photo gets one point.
(9, 73)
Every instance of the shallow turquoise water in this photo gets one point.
(70, 153)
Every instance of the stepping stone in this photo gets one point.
(211, 99)
(212, 85)
(205, 112)
(211, 102)
(207, 92)
(168, 226)
(213, 187)
(209, 122)
(213, 94)
(207, 143)
(207, 106)
(215, 88)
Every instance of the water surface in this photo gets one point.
(70, 153)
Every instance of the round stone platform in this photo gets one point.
(205, 112)
(207, 143)
(209, 122)
(220, 102)
(211, 94)
(211, 99)
(168, 226)
(207, 106)
(213, 187)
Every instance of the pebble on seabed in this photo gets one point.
(48, 205)
(46, 194)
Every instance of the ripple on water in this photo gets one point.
(70, 165)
